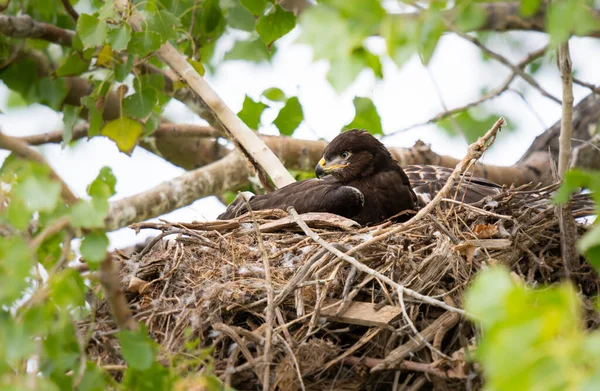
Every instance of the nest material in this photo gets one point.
(335, 327)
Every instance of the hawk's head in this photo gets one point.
(353, 154)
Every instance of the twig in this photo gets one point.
(21, 149)
(255, 149)
(405, 365)
(70, 10)
(363, 268)
(490, 95)
(109, 278)
(474, 152)
(568, 231)
(50, 230)
(582, 83)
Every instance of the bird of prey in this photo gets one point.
(358, 178)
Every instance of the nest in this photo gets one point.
(334, 327)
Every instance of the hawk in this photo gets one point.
(358, 178)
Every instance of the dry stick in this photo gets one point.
(590, 86)
(70, 10)
(270, 308)
(474, 152)
(365, 269)
(109, 278)
(258, 152)
(21, 149)
(568, 231)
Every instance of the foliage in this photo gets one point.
(532, 339)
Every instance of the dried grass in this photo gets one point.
(207, 281)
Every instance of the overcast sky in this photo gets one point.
(404, 97)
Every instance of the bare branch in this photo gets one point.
(568, 231)
(109, 278)
(70, 10)
(24, 26)
(21, 149)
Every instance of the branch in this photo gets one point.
(70, 10)
(568, 231)
(21, 149)
(259, 154)
(24, 26)
(227, 173)
(109, 278)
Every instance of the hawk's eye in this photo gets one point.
(345, 155)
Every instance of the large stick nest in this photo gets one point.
(334, 327)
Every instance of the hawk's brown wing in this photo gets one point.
(428, 180)
(311, 195)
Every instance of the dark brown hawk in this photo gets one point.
(358, 178)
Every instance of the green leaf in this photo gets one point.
(156, 377)
(371, 60)
(364, 15)
(123, 69)
(119, 37)
(38, 193)
(140, 104)
(470, 17)
(240, 18)
(530, 7)
(124, 132)
(429, 33)
(67, 288)
(251, 112)
(143, 43)
(95, 115)
(91, 31)
(89, 214)
(51, 92)
(16, 261)
(198, 67)
(589, 244)
(566, 17)
(472, 124)
(94, 379)
(344, 71)
(104, 184)
(211, 16)
(73, 65)
(137, 348)
(366, 116)
(275, 25)
(19, 76)
(486, 297)
(93, 248)
(164, 24)
(257, 7)
(253, 51)
(400, 37)
(274, 94)
(70, 116)
(289, 117)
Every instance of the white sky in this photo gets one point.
(404, 97)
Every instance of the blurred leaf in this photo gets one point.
(38, 193)
(164, 23)
(251, 112)
(366, 116)
(256, 7)
(576, 179)
(472, 127)
(140, 104)
(211, 16)
(144, 42)
(70, 116)
(67, 288)
(566, 17)
(124, 132)
(344, 70)
(274, 94)
(240, 18)
(328, 33)
(429, 31)
(73, 65)
(137, 348)
(89, 214)
(365, 15)
(275, 25)
(118, 38)
(93, 379)
(470, 17)
(372, 61)
(289, 117)
(91, 31)
(589, 244)
(254, 51)
(154, 378)
(530, 7)
(123, 69)
(16, 261)
(15, 341)
(105, 57)
(93, 248)
(486, 297)
(51, 92)
(95, 115)
(104, 184)
(400, 38)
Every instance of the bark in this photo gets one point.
(24, 26)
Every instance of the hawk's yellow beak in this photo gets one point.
(324, 168)
(320, 169)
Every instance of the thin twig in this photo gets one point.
(70, 10)
(114, 296)
(363, 268)
(568, 231)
